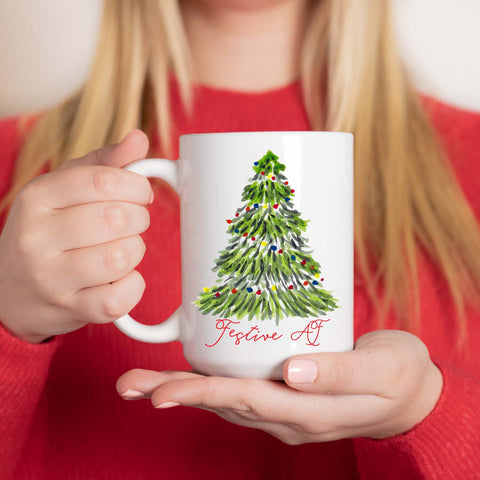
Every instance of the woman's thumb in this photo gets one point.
(133, 146)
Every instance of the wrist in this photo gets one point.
(414, 408)
(25, 337)
(430, 392)
(420, 405)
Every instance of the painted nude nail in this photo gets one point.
(132, 395)
(167, 405)
(302, 370)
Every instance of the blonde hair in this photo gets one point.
(406, 197)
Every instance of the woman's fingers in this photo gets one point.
(365, 392)
(87, 184)
(256, 399)
(100, 264)
(95, 223)
(146, 381)
(105, 303)
(142, 384)
(205, 392)
(273, 406)
(294, 417)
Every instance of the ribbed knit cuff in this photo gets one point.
(444, 445)
(23, 370)
(23, 362)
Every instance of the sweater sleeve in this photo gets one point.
(446, 444)
(443, 446)
(23, 366)
(23, 371)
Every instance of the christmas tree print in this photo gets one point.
(267, 270)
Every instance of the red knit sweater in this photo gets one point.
(61, 418)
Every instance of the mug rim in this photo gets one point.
(279, 132)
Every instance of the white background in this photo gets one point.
(46, 48)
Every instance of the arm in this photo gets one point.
(416, 429)
(23, 366)
(54, 284)
(23, 370)
(447, 442)
(444, 445)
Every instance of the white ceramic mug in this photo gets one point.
(267, 249)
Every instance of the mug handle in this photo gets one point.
(169, 330)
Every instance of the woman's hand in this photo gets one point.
(71, 243)
(384, 387)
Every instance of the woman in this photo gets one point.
(401, 405)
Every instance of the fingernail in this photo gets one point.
(151, 199)
(302, 370)
(167, 405)
(132, 395)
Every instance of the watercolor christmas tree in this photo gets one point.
(267, 270)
